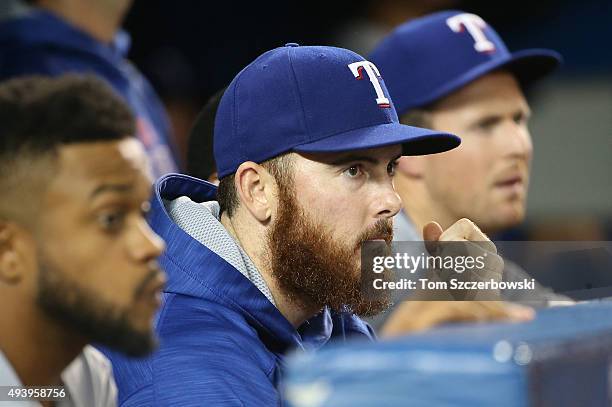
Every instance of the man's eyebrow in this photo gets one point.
(117, 188)
(487, 120)
(363, 158)
(354, 158)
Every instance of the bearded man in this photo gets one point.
(306, 142)
(77, 258)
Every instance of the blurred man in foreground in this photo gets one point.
(77, 258)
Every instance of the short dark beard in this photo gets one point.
(84, 313)
(311, 268)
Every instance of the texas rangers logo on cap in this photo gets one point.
(430, 57)
(357, 69)
(475, 26)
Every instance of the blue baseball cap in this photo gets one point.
(427, 58)
(311, 99)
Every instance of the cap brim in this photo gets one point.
(532, 64)
(528, 65)
(414, 140)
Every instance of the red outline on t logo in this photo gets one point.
(357, 69)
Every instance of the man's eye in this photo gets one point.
(353, 171)
(520, 118)
(391, 168)
(111, 220)
(486, 126)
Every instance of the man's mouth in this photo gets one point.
(152, 292)
(156, 297)
(514, 183)
(381, 231)
(387, 239)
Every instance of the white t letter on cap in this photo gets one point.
(357, 69)
(474, 25)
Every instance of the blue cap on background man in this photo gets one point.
(311, 99)
(427, 58)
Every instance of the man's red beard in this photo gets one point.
(314, 270)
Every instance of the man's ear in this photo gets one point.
(14, 249)
(412, 166)
(256, 190)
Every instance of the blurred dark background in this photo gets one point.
(189, 49)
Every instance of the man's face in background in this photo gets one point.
(486, 178)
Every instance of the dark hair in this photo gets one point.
(200, 153)
(37, 113)
(281, 169)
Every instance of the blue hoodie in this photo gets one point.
(38, 42)
(222, 342)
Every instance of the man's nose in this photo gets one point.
(146, 244)
(388, 202)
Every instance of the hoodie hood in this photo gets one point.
(31, 27)
(34, 41)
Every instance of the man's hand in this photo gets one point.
(463, 239)
(462, 230)
(415, 316)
